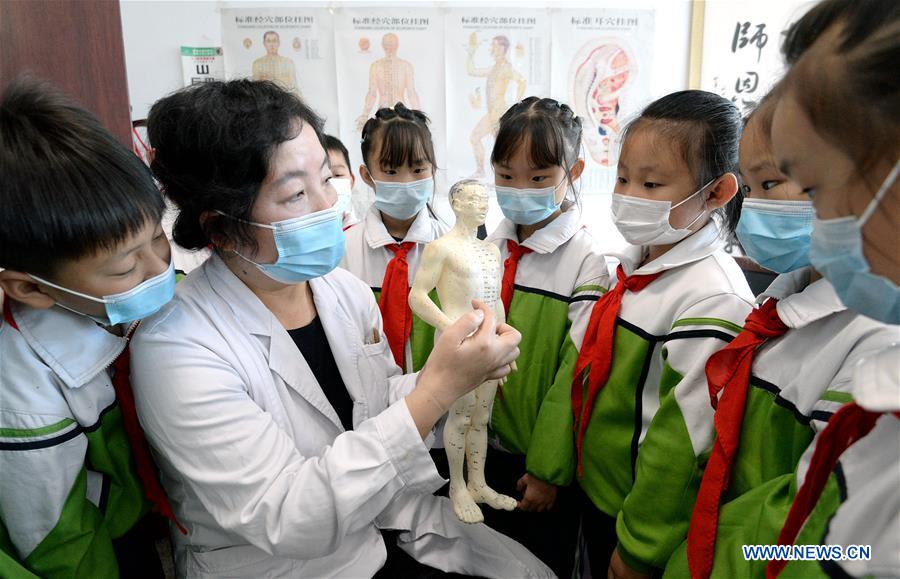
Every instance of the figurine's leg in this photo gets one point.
(458, 421)
(476, 451)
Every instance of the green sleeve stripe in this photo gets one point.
(708, 322)
(589, 288)
(836, 396)
(35, 432)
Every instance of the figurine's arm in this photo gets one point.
(430, 268)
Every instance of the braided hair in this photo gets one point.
(403, 134)
(550, 128)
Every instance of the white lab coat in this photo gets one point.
(254, 458)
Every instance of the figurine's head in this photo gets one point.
(469, 201)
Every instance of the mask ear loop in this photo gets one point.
(236, 252)
(430, 203)
(705, 206)
(576, 194)
(68, 291)
(882, 191)
(272, 227)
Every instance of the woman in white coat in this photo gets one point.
(286, 437)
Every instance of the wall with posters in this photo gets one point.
(464, 62)
(461, 62)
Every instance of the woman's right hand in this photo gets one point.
(471, 351)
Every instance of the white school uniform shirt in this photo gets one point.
(702, 287)
(366, 254)
(810, 369)
(55, 389)
(255, 460)
(869, 473)
(807, 374)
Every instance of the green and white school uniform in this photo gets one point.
(860, 504)
(68, 487)
(556, 284)
(663, 336)
(797, 380)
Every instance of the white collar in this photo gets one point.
(74, 346)
(546, 239)
(699, 245)
(421, 230)
(800, 302)
(245, 305)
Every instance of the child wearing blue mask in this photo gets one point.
(84, 258)
(774, 387)
(678, 298)
(841, 144)
(384, 249)
(776, 215)
(553, 272)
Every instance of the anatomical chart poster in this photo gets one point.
(741, 47)
(385, 56)
(290, 46)
(601, 67)
(494, 58)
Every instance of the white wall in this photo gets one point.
(154, 32)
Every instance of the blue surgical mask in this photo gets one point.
(137, 303)
(775, 233)
(836, 252)
(403, 200)
(308, 246)
(527, 206)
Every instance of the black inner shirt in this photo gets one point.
(313, 344)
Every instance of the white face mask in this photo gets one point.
(646, 221)
(344, 193)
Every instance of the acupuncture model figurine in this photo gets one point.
(462, 268)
